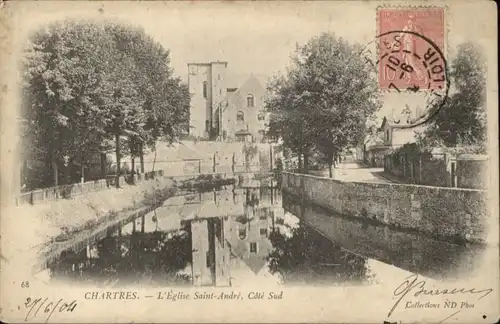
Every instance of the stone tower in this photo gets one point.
(207, 88)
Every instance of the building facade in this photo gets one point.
(219, 112)
(207, 88)
(390, 136)
(396, 136)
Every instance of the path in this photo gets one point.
(355, 171)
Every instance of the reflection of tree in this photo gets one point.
(162, 257)
(154, 258)
(250, 151)
(243, 219)
(252, 200)
(251, 203)
(307, 256)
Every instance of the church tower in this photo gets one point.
(207, 88)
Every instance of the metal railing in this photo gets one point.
(75, 189)
(191, 167)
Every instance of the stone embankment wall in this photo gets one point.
(426, 256)
(441, 212)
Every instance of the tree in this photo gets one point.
(92, 87)
(61, 91)
(325, 100)
(462, 120)
(289, 118)
(165, 99)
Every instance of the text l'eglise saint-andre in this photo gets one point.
(173, 296)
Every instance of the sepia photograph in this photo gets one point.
(249, 161)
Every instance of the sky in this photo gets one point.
(253, 37)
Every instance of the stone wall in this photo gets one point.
(436, 169)
(426, 256)
(438, 211)
(472, 171)
(434, 172)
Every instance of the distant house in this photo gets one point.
(242, 117)
(390, 135)
(396, 136)
(375, 152)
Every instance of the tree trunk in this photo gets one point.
(141, 157)
(271, 157)
(306, 162)
(330, 171)
(103, 165)
(118, 160)
(53, 160)
(67, 176)
(55, 175)
(300, 162)
(132, 179)
(82, 168)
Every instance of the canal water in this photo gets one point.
(251, 235)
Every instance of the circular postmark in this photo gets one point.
(411, 67)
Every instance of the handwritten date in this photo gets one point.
(46, 307)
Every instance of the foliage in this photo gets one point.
(250, 151)
(323, 102)
(153, 258)
(462, 120)
(87, 84)
(304, 254)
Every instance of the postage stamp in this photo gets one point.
(411, 47)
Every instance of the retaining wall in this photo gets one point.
(442, 212)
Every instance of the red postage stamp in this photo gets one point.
(411, 48)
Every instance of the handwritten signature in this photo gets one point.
(48, 307)
(413, 284)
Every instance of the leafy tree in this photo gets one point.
(325, 100)
(462, 120)
(63, 65)
(92, 87)
(165, 99)
(289, 117)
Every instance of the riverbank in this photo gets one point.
(33, 234)
(29, 229)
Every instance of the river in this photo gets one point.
(251, 235)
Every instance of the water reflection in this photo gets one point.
(302, 255)
(229, 237)
(409, 251)
(251, 236)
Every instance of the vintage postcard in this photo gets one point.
(249, 161)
